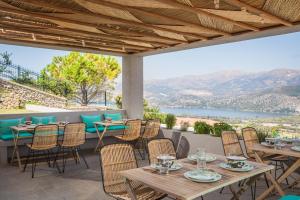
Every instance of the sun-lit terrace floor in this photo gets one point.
(77, 183)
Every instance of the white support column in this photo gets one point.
(133, 86)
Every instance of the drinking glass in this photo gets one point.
(40, 121)
(201, 159)
(19, 122)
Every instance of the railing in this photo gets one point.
(15, 72)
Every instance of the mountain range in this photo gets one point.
(268, 91)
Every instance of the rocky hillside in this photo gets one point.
(270, 91)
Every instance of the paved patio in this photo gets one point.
(77, 183)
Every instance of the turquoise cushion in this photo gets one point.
(11, 136)
(101, 128)
(5, 125)
(90, 119)
(290, 197)
(43, 120)
(113, 116)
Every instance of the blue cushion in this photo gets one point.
(5, 125)
(290, 197)
(11, 136)
(113, 116)
(43, 120)
(110, 128)
(90, 119)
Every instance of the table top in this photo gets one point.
(286, 151)
(31, 127)
(112, 123)
(175, 184)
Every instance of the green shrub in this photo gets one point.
(219, 127)
(202, 127)
(170, 121)
(155, 115)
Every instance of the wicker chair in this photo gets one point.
(160, 146)
(132, 132)
(231, 144)
(183, 148)
(118, 157)
(44, 141)
(74, 136)
(151, 130)
(250, 139)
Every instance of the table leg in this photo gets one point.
(273, 181)
(130, 189)
(16, 149)
(100, 136)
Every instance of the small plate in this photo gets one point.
(174, 167)
(200, 176)
(245, 168)
(296, 148)
(208, 157)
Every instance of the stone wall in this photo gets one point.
(14, 95)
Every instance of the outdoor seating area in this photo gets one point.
(140, 162)
(118, 153)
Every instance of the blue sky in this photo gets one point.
(253, 55)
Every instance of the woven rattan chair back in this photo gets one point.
(250, 139)
(183, 148)
(160, 146)
(132, 130)
(45, 137)
(151, 129)
(231, 144)
(115, 158)
(74, 135)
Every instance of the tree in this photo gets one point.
(5, 61)
(84, 76)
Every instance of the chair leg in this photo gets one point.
(33, 164)
(221, 191)
(266, 180)
(26, 161)
(283, 170)
(55, 160)
(64, 160)
(82, 156)
(48, 158)
(254, 191)
(73, 151)
(276, 168)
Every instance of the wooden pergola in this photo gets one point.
(137, 28)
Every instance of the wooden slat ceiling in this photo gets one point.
(138, 26)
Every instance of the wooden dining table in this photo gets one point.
(261, 150)
(106, 125)
(176, 185)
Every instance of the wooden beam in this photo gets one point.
(114, 19)
(47, 17)
(177, 5)
(34, 31)
(38, 38)
(257, 11)
(155, 15)
(86, 33)
(59, 45)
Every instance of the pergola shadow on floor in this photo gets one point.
(77, 183)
